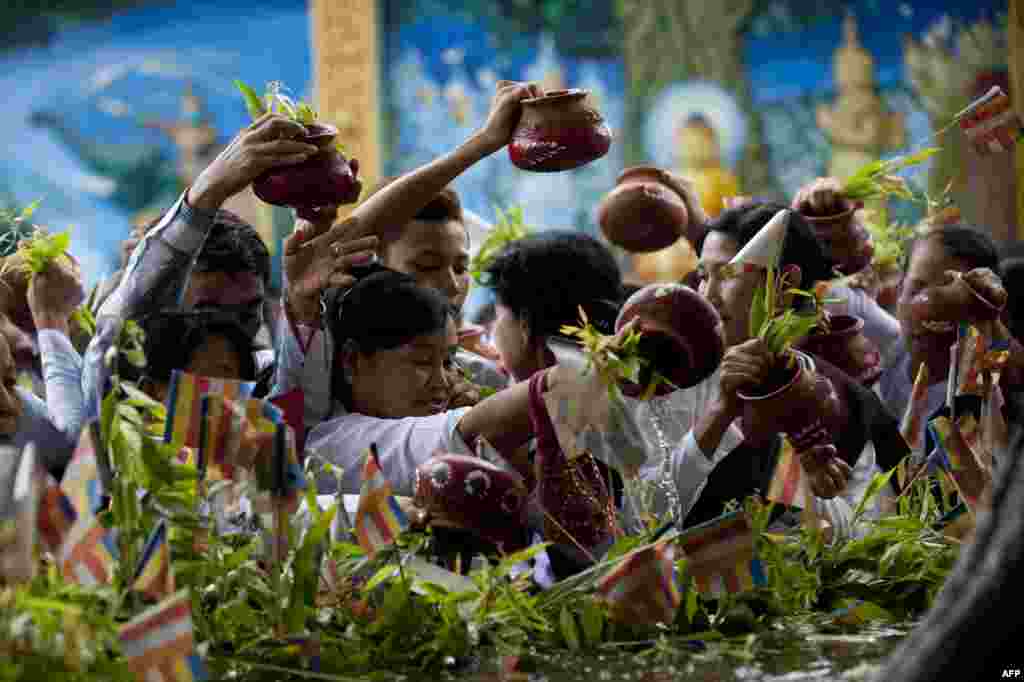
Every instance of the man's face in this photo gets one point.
(238, 293)
(436, 255)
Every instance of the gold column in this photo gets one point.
(345, 69)
(1015, 26)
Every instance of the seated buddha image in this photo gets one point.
(699, 154)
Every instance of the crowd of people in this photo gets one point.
(372, 331)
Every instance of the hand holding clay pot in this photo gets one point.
(558, 132)
(681, 336)
(976, 297)
(833, 217)
(828, 474)
(645, 213)
(326, 178)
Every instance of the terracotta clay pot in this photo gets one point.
(558, 132)
(954, 303)
(681, 335)
(796, 401)
(472, 494)
(845, 239)
(889, 288)
(643, 213)
(846, 347)
(325, 179)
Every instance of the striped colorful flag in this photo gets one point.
(89, 552)
(184, 404)
(81, 482)
(954, 458)
(155, 577)
(790, 485)
(969, 375)
(56, 516)
(720, 555)
(644, 588)
(158, 643)
(379, 519)
(913, 419)
(991, 123)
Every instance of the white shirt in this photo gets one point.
(402, 445)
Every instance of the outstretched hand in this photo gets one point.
(55, 293)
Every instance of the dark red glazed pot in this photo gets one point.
(956, 302)
(325, 179)
(845, 239)
(796, 401)
(472, 494)
(845, 346)
(643, 213)
(681, 335)
(559, 132)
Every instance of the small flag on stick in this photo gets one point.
(720, 555)
(644, 588)
(159, 645)
(154, 576)
(379, 519)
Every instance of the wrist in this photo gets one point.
(484, 143)
(306, 313)
(54, 322)
(723, 408)
(201, 197)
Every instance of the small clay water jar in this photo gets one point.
(558, 132)
(325, 179)
(681, 336)
(644, 214)
(795, 401)
(845, 239)
(471, 494)
(956, 302)
(845, 346)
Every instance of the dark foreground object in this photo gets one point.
(972, 632)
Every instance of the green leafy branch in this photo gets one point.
(509, 228)
(776, 324)
(275, 101)
(877, 180)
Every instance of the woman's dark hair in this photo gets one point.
(800, 248)
(172, 338)
(544, 278)
(381, 311)
(964, 243)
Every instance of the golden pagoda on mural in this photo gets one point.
(858, 125)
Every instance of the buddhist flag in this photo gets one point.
(184, 404)
(56, 516)
(293, 405)
(970, 379)
(720, 555)
(81, 482)
(644, 588)
(89, 552)
(154, 577)
(789, 485)
(913, 419)
(990, 122)
(379, 519)
(158, 643)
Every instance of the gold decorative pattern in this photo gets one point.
(345, 70)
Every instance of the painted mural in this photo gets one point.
(109, 113)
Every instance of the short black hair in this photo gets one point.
(172, 338)
(383, 310)
(964, 243)
(545, 277)
(234, 246)
(801, 247)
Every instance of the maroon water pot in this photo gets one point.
(644, 214)
(954, 303)
(325, 179)
(682, 336)
(794, 400)
(558, 132)
(472, 494)
(845, 346)
(845, 239)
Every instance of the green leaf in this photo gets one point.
(567, 625)
(382, 575)
(513, 560)
(252, 100)
(592, 617)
